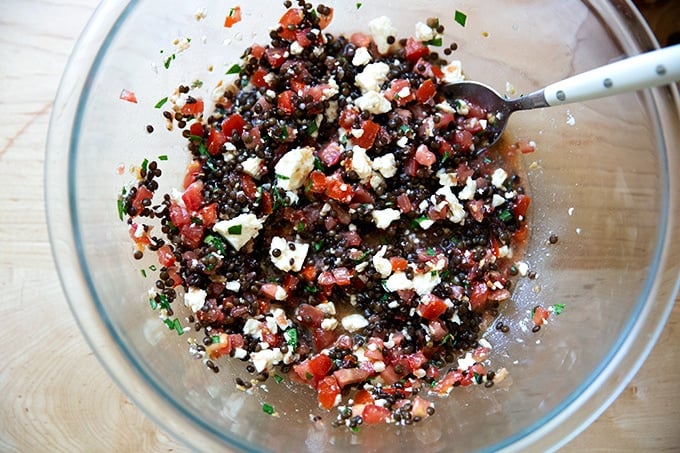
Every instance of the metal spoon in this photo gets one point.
(658, 67)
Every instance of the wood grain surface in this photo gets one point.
(54, 395)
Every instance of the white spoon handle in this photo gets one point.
(658, 67)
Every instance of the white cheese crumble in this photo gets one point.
(457, 213)
(497, 200)
(386, 165)
(253, 167)
(361, 164)
(329, 324)
(239, 230)
(373, 102)
(381, 264)
(522, 268)
(354, 322)
(294, 167)
(291, 255)
(372, 77)
(384, 217)
(296, 48)
(468, 192)
(424, 32)
(466, 362)
(361, 57)
(453, 72)
(195, 298)
(381, 28)
(266, 359)
(328, 308)
(233, 286)
(498, 178)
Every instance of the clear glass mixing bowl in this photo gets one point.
(602, 179)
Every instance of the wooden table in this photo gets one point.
(54, 395)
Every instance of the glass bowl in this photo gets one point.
(600, 179)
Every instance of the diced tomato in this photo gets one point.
(179, 216)
(324, 338)
(325, 19)
(426, 91)
(411, 167)
(139, 235)
(248, 186)
(217, 350)
(231, 124)
(267, 202)
(347, 117)
(367, 139)
(400, 92)
(373, 414)
(398, 263)
(476, 209)
(445, 149)
(328, 391)
(419, 407)
(342, 276)
(293, 17)
(320, 365)
(192, 235)
(521, 234)
(362, 196)
(257, 51)
(233, 17)
(540, 315)
(272, 339)
(216, 140)
(309, 316)
(318, 181)
(196, 129)
(363, 397)
(128, 96)
(258, 78)
(285, 102)
(416, 360)
(290, 283)
(424, 156)
(273, 291)
(142, 194)
(275, 56)
(348, 376)
(193, 196)
(431, 306)
(404, 203)
(521, 205)
(463, 139)
(415, 50)
(360, 39)
(330, 154)
(437, 329)
(302, 39)
(479, 295)
(193, 169)
(172, 273)
(308, 273)
(193, 108)
(165, 256)
(338, 190)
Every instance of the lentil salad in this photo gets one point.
(335, 223)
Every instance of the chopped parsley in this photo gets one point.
(505, 215)
(358, 5)
(168, 60)
(197, 84)
(235, 69)
(460, 18)
(161, 103)
(279, 176)
(145, 164)
(143, 272)
(278, 379)
(215, 242)
(268, 409)
(152, 303)
(558, 308)
(174, 324)
(434, 42)
(291, 337)
(235, 229)
(163, 157)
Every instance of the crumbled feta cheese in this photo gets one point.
(485, 343)
(453, 72)
(497, 200)
(294, 167)
(253, 167)
(357, 133)
(381, 264)
(361, 164)
(445, 107)
(376, 180)
(381, 28)
(287, 256)
(386, 165)
(332, 111)
(419, 373)
(466, 362)
(498, 178)
(329, 324)
(361, 57)
(252, 328)
(424, 32)
(468, 192)
(424, 283)
(331, 90)
(383, 217)
(195, 298)
(504, 252)
(398, 281)
(354, 322)
(296, 48)
(522, 268)
(457, 213)
(361, 267)
(373, 102)
(280, 318)
(462, 107)
(372, 77)
(404, 92)
(328, 308)
(266, 359)
(379, 366)
(425, 224)
(280, 293)
(233, 286)
(402, 142)
(239, 230)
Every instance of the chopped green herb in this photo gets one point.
(235, 69)
(145, 164)
(121, 208)
(234, 229)
(215, 242)
(311, 289)
(558, 308)
(434, 42)
(267, 409)
(317, 164)
(143, 272)
(505, 215)
(197, 84)
(300, 226)
(433, 384)
(404, 128)
(318, 246)
(460, 18)
(163, 301)
(358, 5)
(153, 268)
(160, 103)
(291, 336)
(433, 273)
(446, 338)
(215, 339)
(431, 251)
(354, 429)
(195, 138)
(284, 132)
(174, 324)
(312, 127)
(446, 156)
(153, 303)
(163, 157)
(203, 150)
(308, 375)
(168, 61)
(279, 176)
(278, 379)
(196, 220)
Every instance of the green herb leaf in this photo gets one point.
(279, 176)
(558, 308)
(145, 164)
(121, 208)
(153, 268)
(311, 289)
(446, 156)
(203, 150)
(318, 164)
(505, 215)
(460, 18)
(143, 272)
(197, 84)
(215, 339)
(318, 246)
(358, 5)
(234, 229)
(267, 409)
(278, 379)
(312, 127)
(431, 251)
(163, 157)
(354, 429)
(160, 103)
(152, 303)
(196, 220)
(300, 226)
(195, 138)
(363, 256)
(434, 42)
(291, 336)
(168, 61)
(235, 69)
(163, 301)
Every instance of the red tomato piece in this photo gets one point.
(360, 39)
(318, 180)
(193, 108)
(338, 190)
(231, 124)
(347, 117)
(285, 102)
(521, 205)
(347, 376)
(233, 17)
(142, 194)
(323, 338)
(248, 186)
(193, 169)
(165, 256)
(373, 414)
(193, 196)
(424, 156)
(540, 315)
(196, 129)
(342, 276)
(420, 406)
(404, 203)
(216, 141)
(325, 19)
(400, 92)
(426, 91)
(192, 235)
(320, 365)
(479, 295)
(309, 316)
(367, 139)
(128, 96)
(289, 22)
(363, 397)
(258, 78)
(463, 139)
(476, 209)
(431, 306)
(179, 216)
(328, 391)
(330, 154)
(267, 202)
(271, 290)
(398, 263)
(257, 51)
(415, 50)
(209, 215)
